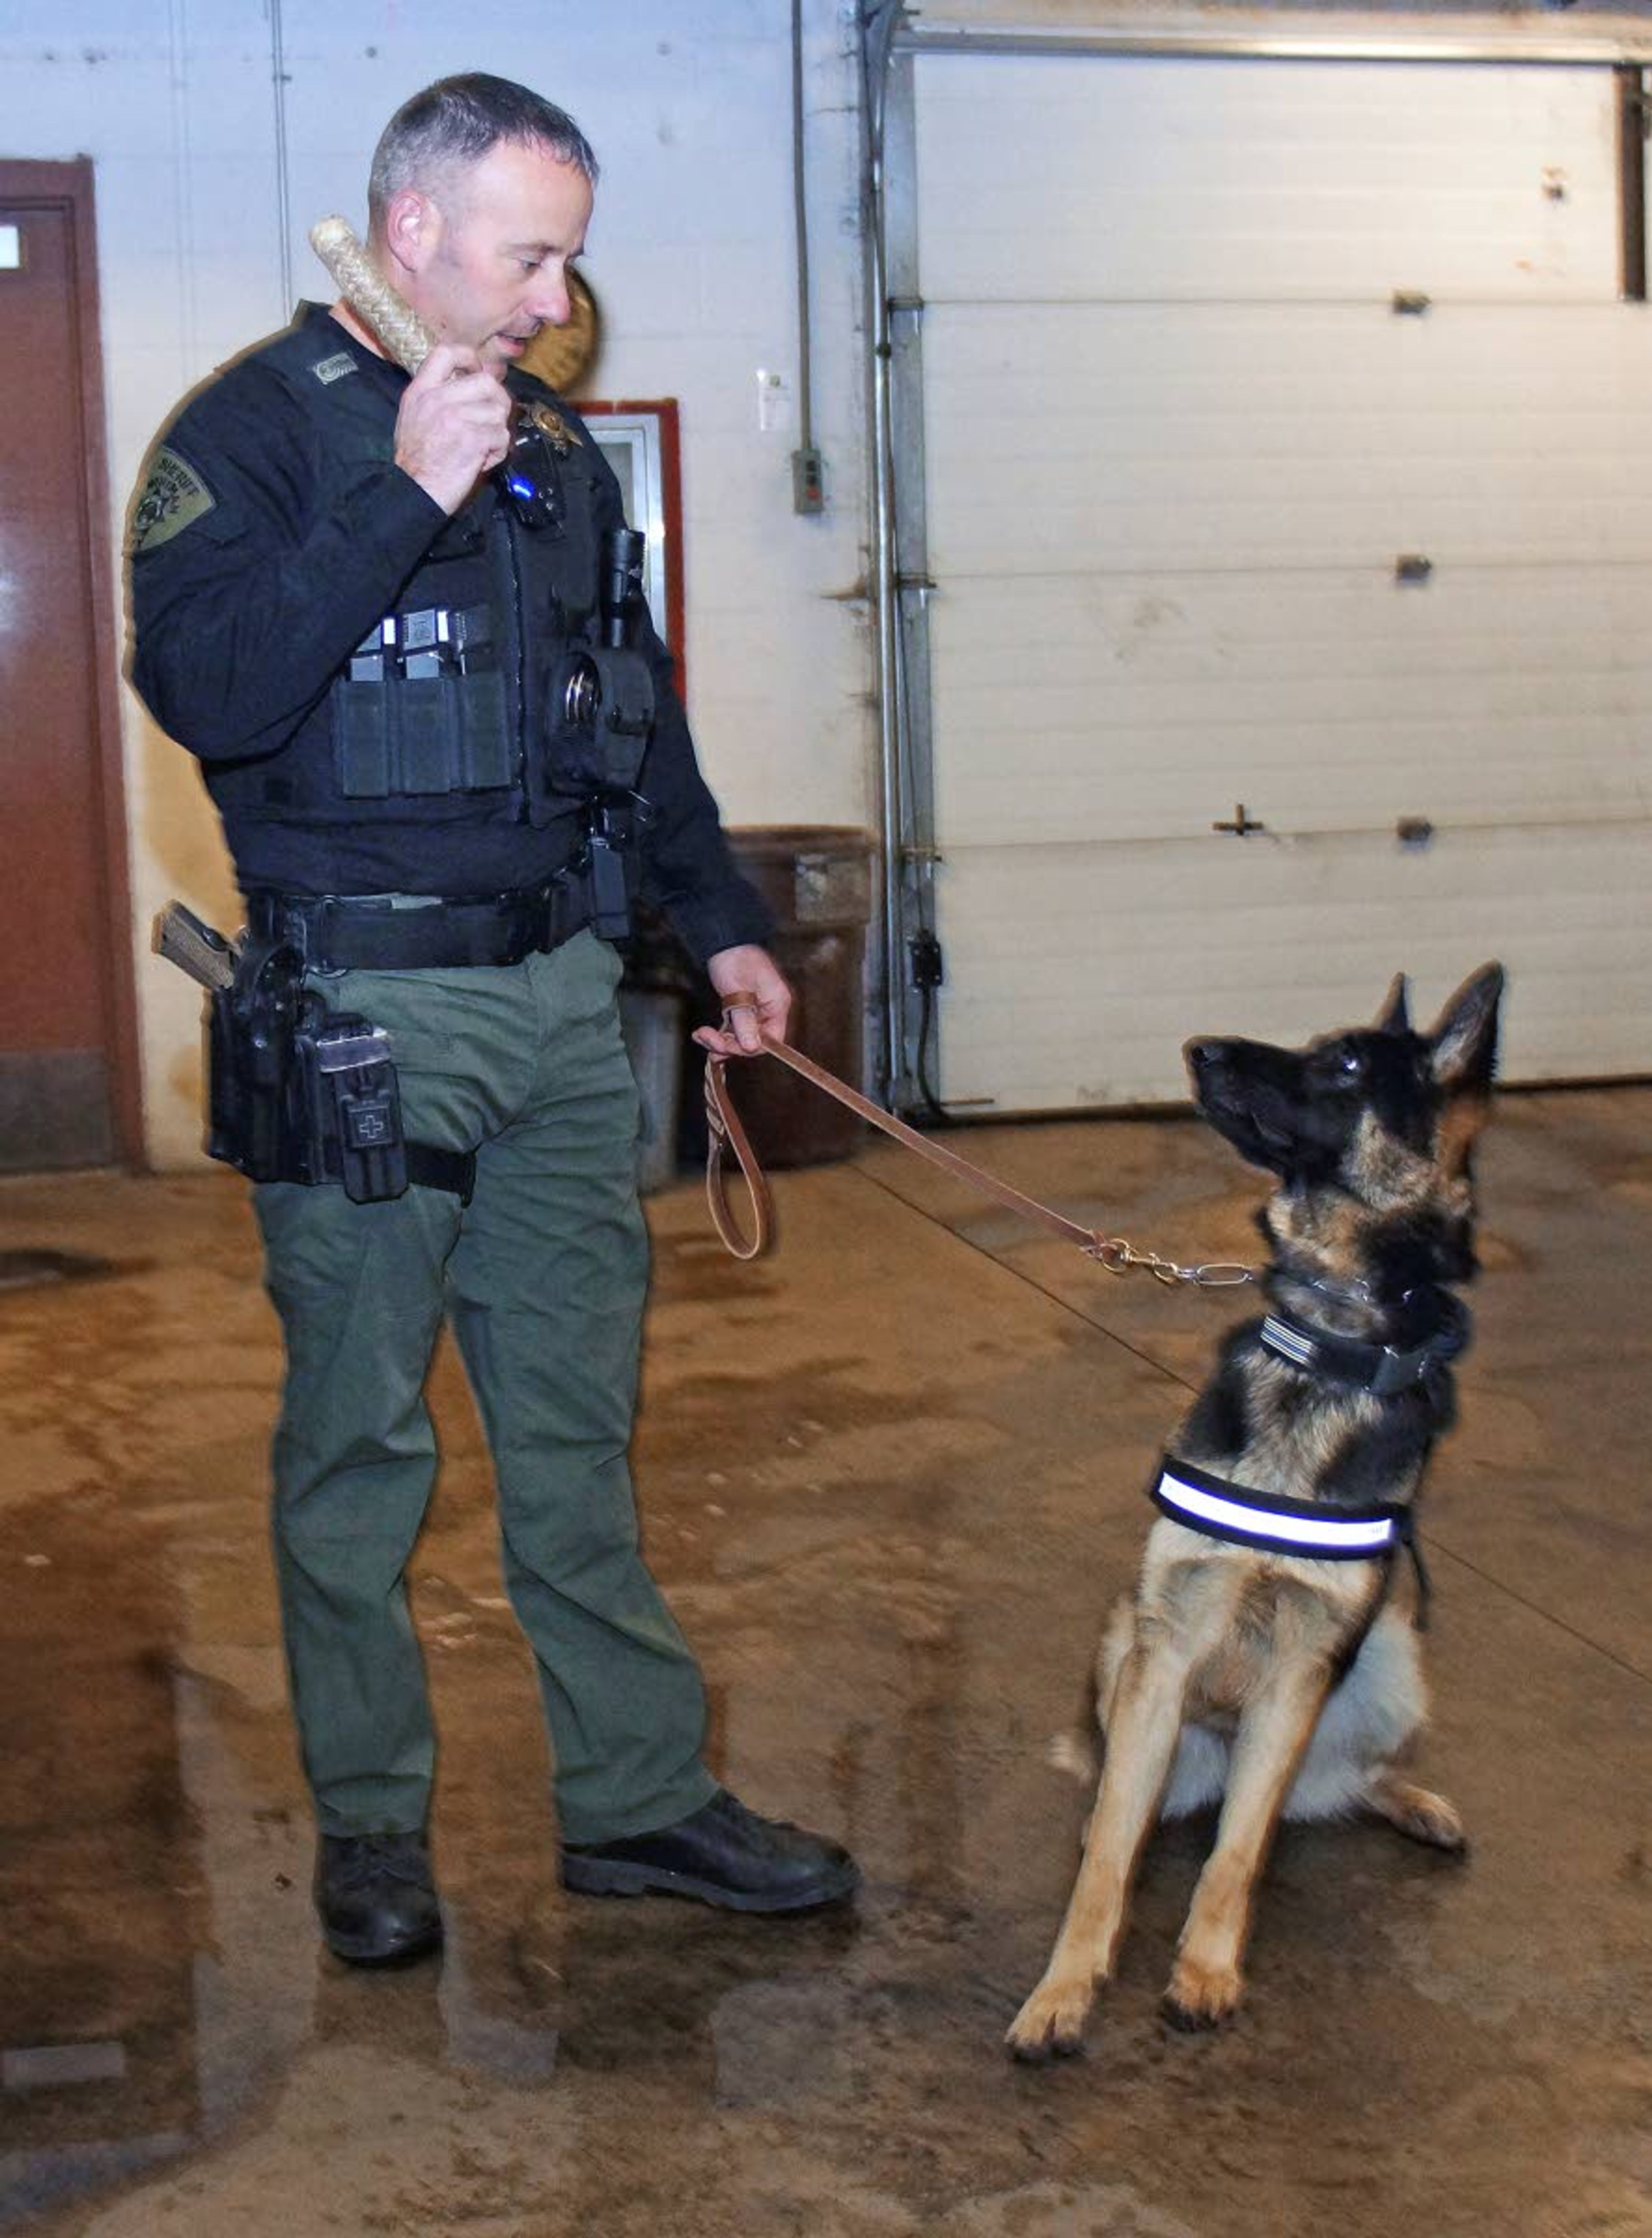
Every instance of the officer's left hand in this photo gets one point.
(752, 971)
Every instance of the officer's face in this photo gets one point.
(497, 241)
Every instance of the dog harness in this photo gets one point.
(1310, 1530)
(1267, 1520)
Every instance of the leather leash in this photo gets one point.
(725, 1131)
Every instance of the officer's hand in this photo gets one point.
(453, 425)
(750, 972)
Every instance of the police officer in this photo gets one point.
(369, 638)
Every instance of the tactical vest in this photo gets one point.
(422, 728)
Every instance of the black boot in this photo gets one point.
(376, 1897)
(722, 1854)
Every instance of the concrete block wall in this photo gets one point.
(690, 256)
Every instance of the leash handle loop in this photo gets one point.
(723, 1130)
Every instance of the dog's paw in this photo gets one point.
(1201, 1996)
(1433, 1819)
(1420, 1814)
(1050, 2025)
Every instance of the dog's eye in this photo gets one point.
(1350, 1064)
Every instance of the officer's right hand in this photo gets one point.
(453, 425)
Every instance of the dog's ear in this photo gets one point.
(1394, 1017)
(1464, 1039)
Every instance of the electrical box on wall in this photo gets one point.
(808, 481)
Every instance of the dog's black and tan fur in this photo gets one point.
(1218, 1677)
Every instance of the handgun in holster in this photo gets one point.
(298, 1093)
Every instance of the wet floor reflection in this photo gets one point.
(23, 1268)
(101, 1888)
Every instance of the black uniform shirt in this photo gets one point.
(263, 554)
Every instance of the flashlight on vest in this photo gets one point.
(621, 592)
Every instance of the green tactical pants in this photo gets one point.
(543, 1278)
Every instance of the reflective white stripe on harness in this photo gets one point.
(1279, 1525)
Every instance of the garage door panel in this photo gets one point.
(1130, 709)
(1122, 956)
(1093, 438)
(1174, 438)
(1164, 179)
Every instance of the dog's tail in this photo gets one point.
(1073, 1751)
(1072, 1754)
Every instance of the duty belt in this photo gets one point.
(413, 932)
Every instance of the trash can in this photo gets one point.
(817, 881)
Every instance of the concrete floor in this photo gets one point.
(891, 1479)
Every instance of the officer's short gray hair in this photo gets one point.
(453, 124)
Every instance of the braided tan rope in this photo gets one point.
(369, 294)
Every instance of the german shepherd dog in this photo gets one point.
(1286, 1683)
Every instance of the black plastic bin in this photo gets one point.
(817, 880)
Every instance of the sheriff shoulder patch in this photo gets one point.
(172, 496)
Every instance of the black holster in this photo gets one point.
(300, 1094)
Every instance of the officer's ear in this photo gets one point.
(412, 226)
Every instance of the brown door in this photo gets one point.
(67, 1076)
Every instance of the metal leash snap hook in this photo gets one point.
(1119, 1257)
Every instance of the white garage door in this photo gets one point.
(1210, 520)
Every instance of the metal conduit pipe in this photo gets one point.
(800, 223)
(283, 182)
(877, 27)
